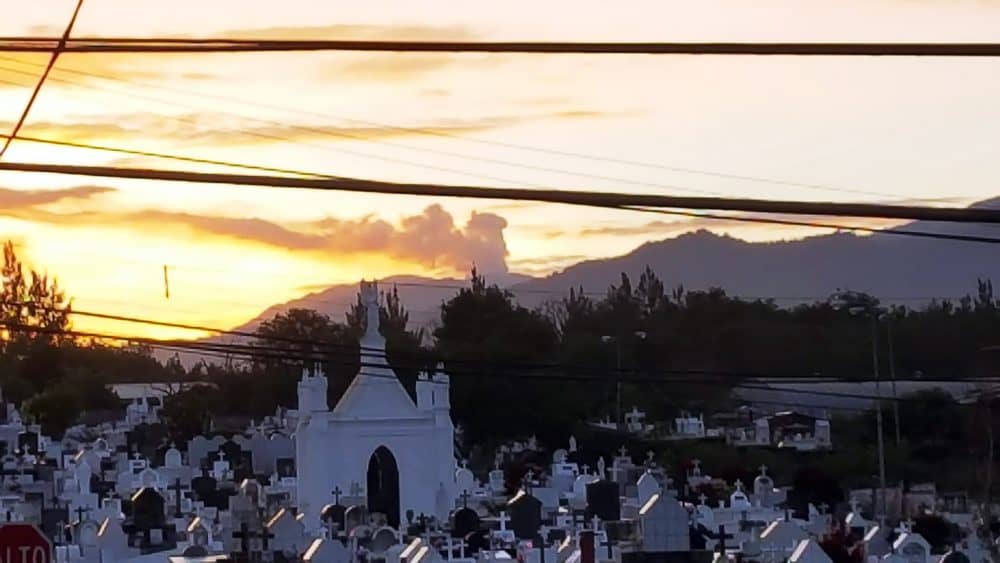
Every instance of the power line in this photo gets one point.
(397, 160)
(41, 80)
(286, 355)
(224, 45)
(449, 135)
(585, 198)
(318, 346)
(900, 232)
(354, 153)
(813, 224)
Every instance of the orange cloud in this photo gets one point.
(24, 199)
(430, 239)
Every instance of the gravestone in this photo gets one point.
(603, 501)
(148, 529)
(206, 490)
(324, 550)
(28, 443)
(382, 540)
(463, 522)
(332, 517)
(354, 516)
(525, 515)
(647, 486)
(464, 480)
(665, 525)
(289, 534)
(199, 448)
(285, 467)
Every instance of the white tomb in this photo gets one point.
(376, 435)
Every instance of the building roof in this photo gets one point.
(375, 393)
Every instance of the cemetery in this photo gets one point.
(376, 477)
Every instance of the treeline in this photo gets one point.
(518, 371)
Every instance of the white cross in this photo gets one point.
(623, 451)
(614, 471)
(702, 498)
(763, 470)
(503, 519)
(596, 523)
(465, 464)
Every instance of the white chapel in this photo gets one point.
(376, 443)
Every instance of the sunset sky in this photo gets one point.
(847, 129)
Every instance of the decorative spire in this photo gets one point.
(369, 298)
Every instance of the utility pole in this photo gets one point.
(892, 377)
(873, 311)
(618, 378)
(618, 374)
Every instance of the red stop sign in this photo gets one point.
(24, 543)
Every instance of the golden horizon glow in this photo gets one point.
(863, 129)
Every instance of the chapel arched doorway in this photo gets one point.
(383, 485)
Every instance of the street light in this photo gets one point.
(618, 373)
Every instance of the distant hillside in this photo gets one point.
(895, 268)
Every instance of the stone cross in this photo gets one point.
(763, 470)
(702, 498)
(176, 488)
(723, 536)
(586, 469)
(739, 485)
(355, 488)
(336, 494)
(622, 451)
(265, 536)
(244, 535)
(503, 519)
(614, 471)
(823, 507)
(465, 498)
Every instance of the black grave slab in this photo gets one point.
(463, 522)
(603, 501)
(525, 515)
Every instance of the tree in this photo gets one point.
(296, 339)
(188, 413)
(483, 337)
(32, 301)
